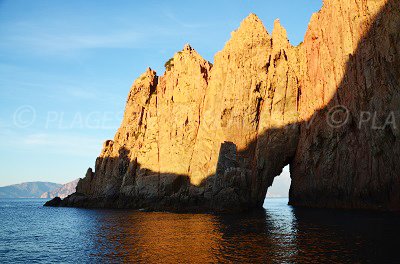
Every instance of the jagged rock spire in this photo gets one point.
(279, 36)
(187, 47)
(250, 26)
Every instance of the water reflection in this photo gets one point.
(346, 236)
(278, 234)
(155, 237)
(260, 236)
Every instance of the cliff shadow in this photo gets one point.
(347, 153)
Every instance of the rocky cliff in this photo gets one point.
(213, 137)
(349, 156)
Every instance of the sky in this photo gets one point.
(66, 68)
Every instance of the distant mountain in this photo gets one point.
(27, 189)
(62, 192)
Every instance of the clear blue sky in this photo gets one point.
(66, 68)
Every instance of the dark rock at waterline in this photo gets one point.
(54, 202)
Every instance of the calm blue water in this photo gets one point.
(280, 234)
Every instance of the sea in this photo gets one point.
(279, 233)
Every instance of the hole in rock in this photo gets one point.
(280, 187)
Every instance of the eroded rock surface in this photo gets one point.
(213, 137)
(353, 60)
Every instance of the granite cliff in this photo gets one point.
(213, 137)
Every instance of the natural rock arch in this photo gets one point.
(269, 104)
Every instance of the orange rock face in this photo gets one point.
(213, 137)
(349, 156)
